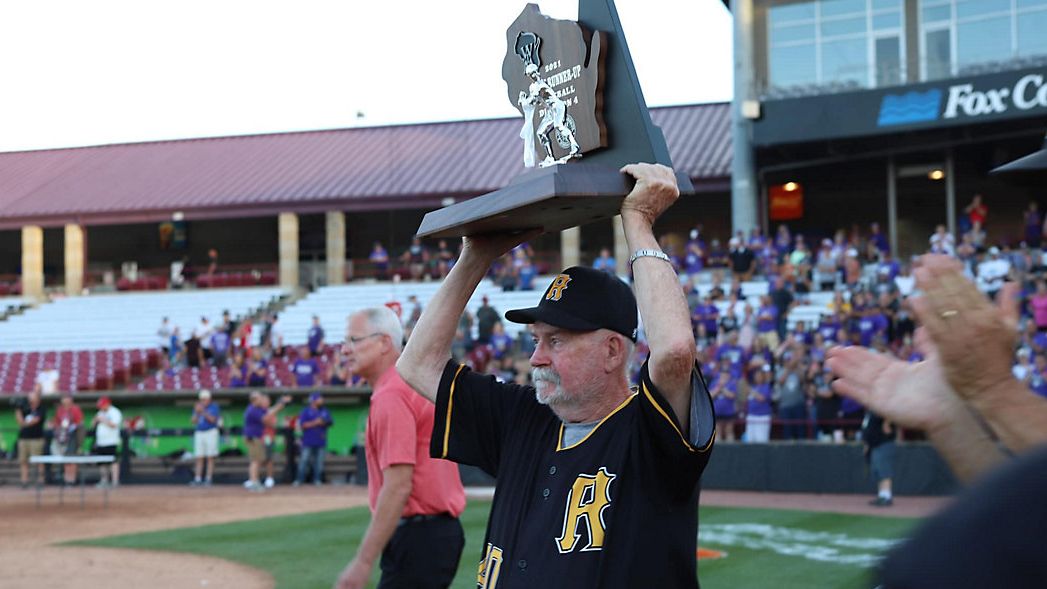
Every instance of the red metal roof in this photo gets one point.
(409, 166)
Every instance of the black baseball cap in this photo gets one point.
(584, 299)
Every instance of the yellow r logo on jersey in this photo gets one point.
(490, 566)
(557, 287)
(589, 497)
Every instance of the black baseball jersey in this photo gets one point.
(617, 509)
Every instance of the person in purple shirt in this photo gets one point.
(767, 321)
(708, 314)
(767, 259)
(758, 407)
(828, 326)
(526, 274)
(732, 353)
(314, 421)
(257, 369)
(501, 342)
(1039, 341)
(380, 259)
(305, 369)
(238, 371)
(756, 239)
(724, 391)
(878, 238)
(816, 351)
(852, 411)
(888, 268)
(220, 347)
(871, 324)
(254, 430)
(694, 253)
(315, 337)
(758, 355)
(801, 334)
(783, 243)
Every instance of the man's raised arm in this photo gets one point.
(659, 297)
(429, 348)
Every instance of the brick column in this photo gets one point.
(288, 230)
(33, 262)
(75, 260)
(335, 247)
(571, 247)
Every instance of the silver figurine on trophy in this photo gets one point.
(554, 118)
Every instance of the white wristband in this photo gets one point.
(645, 253)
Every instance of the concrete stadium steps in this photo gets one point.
(123, 321)
(80, 370)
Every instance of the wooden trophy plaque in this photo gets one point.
(584, 117)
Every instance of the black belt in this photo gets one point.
(413, 519)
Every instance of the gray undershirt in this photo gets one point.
(576, 432)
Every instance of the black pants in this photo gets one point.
(422, 554)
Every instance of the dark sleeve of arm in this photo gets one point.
(989, 536)
(473, 413)
(679, 457)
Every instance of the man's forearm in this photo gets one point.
(1016, 415)
(964, 443)
(429, 347)
(387, 512)
(663, 308)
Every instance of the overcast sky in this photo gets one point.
(79, 72)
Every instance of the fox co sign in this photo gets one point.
(1028, 92)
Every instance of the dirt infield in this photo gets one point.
(30, 559)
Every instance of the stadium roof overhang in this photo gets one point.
(361, 169)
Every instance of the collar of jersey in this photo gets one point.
(559, 441)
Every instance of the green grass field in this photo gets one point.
(772, 549)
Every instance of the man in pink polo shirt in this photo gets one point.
(415, 499)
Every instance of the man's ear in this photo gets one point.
(614, 353)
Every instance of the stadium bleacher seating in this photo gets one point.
(122, 321)
(77, 371)
(103, 341)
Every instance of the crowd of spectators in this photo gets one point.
(418, 261)
(761, 368)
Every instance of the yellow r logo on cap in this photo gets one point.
(557, 287)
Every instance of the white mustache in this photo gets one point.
(545, 374)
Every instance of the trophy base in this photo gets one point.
(551, 199)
